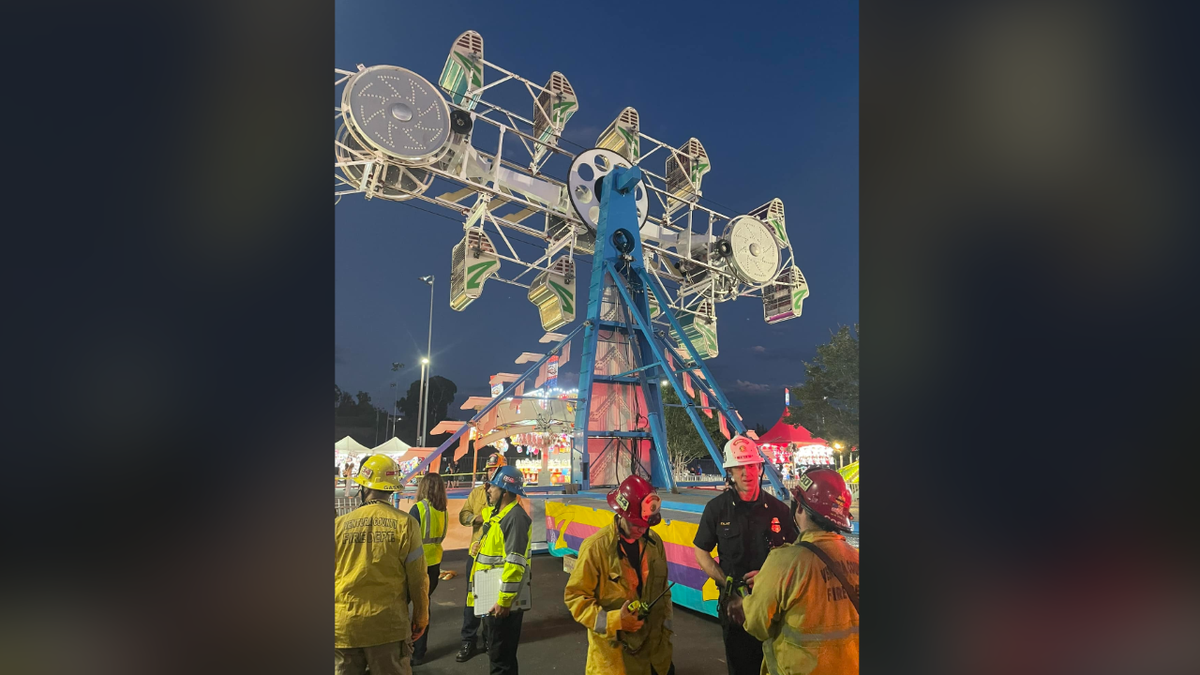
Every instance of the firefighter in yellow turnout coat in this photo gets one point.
(505, 544)
(379, 567)
(622, 563)
(804, 605)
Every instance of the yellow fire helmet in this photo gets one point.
(380, 472)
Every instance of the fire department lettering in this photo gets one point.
(834, 593)
(357, 523)
(368, 536)
(361, 530)
(846, 568)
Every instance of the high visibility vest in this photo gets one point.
(433, 531)
(509, 551)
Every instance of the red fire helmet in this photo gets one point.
(636, 501)
(824, 491)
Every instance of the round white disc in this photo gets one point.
(586, 171)
(754, 254)
(398, 113)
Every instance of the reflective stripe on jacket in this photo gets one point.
(505, 543)
(798, 609)
(433, 531)
(474, 506)
(378, 568)
(602, 581)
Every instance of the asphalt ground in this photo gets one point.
(551, 641)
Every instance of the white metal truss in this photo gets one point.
(514, 176)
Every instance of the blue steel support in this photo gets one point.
(617, 241)
(491, 404)
(730, 412)
(619, 256)
(672, 378)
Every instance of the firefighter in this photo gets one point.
(804, 606)
(619, 641)
(471, 514)
(379, 567)
(744, 524)
(430, 512)
(504, 543)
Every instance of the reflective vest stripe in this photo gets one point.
(516, 559)
(432, 544)
(510, 587)
(602, 622)
(794, 635)
(416, 554)
(489, 559)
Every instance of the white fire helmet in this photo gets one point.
(740, 451)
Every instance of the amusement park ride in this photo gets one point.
(660, 262)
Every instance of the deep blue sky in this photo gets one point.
(771, 92)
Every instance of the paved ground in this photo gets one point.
(551, 641)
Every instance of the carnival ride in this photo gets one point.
(660, 262)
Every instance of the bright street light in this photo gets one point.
(664, 383)
(423, 394)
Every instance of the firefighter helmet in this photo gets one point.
(379, 472)
(636, 501)
(823, 491)
(508, 478)
(740, 451)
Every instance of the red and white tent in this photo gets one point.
(783, 442)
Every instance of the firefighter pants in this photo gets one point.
(503, 637)
(470, 626)
(387, 659)
(743, 651)
(421, 644)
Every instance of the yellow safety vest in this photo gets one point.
(433, 531)
(506, 543)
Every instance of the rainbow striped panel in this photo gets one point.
(567, 525)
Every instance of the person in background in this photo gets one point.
(744, 524)
(430, 512)
(505, 544)
(378, 568)
(624, 561)
(471, 515)
(804, 604)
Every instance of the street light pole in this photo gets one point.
(421, 404)
(396, 366)
(424, 415)
(392, 408)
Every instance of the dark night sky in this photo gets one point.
(771, 93)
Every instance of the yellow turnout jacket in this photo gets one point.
(602, 581)
(379, 567)
(800, 612)
(475, 504)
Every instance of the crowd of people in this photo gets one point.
(788, 580)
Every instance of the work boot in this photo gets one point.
(467, 651)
